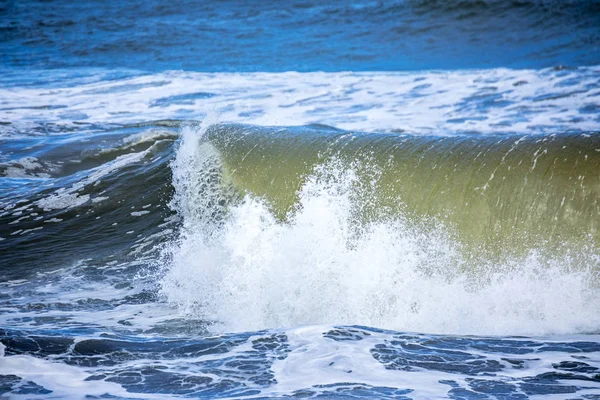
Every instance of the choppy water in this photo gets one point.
(296, 200)
(298, 35)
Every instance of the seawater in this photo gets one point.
(295, 200)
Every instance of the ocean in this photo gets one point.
(300, 199)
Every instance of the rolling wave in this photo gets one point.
(294, 199)
(504, 192)
(297, 226)
(248, 227)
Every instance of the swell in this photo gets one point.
(503, 195)
(103, 199)
(361, 36)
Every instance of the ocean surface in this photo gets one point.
(300, 199)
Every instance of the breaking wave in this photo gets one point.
(298, 226)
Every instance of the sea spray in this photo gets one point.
(324, 263)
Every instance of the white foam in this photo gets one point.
(63, 380)
(493, 100)
(27, 167)
(73, 288)
(98, 199)
(317, 360)
(139, 213)
(67, 197)
(62, 200)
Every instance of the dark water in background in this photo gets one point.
(217, 36)
(409, 166)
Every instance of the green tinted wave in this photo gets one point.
(502, 194)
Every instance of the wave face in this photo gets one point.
(497, 192)
(302, 226)
(80, 193)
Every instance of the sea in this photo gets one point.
(300, 199)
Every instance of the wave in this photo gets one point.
(253, 227)
(462, 234)
(102, 199)
(497, 192)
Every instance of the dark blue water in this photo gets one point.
(297, 35)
